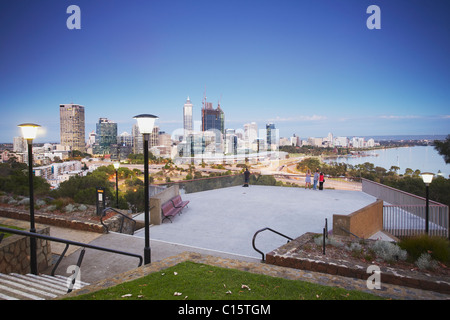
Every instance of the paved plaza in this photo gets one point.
(226, 219)
(221, 223)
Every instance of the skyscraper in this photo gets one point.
(272, 136)
(187, 117)
(71, 118)
(212, 119)
(106, 139)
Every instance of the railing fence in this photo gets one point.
(404, 214)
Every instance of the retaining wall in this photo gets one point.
(15, 253)
(363, 223)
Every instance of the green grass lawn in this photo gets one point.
(195, 281)
(11, 227)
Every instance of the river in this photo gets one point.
(423, 158)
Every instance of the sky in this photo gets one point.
(310, 67)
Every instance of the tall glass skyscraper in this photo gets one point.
(72, 128)
(187, 117)
(106, 137)
(212, 119)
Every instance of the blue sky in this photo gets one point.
(311, 67)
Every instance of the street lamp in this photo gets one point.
(427, 177)
(145, 123)
(116, 166)
(29, 131)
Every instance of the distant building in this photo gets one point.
(58, 172)
(231, 142)
(294, 140)
(272, 137)
(187, 117)
(341, 142)
(20, 144)
(106, 138)
(72, 127)
(138, 141)
(212, 119)
(315, 142)
(357, 142)
(251, 135)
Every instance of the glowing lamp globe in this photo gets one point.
(29, 130)
(146, 122)
(427, 177)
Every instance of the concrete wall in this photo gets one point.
(363, 223)
(157, 200)
(53, 220)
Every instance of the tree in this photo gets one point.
(14, 179)
(443, 147)
(84, 189)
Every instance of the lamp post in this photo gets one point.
(145, 123)
(427, 177)
(116, 166)
(29, 131)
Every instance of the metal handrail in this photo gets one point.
(70, 242)
(117, 211)
(257, 232)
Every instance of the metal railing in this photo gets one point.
(121, 221)
(257, 232)
(394, 196)
(404, 214)
(410, 220)
(70, 242)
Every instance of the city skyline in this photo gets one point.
(309, 68)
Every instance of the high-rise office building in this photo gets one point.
(106, 139)
(212, 119)
(250, 132)
(138, 141)
(187, 117)
(71, 117)
(272, 136)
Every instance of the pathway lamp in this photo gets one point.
(145, 123)
(116, 166)
(29, 132)
(427, 177)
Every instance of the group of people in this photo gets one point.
(317, 178)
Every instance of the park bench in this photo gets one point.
(178, 202)
(172, 207)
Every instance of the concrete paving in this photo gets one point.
(226, 219)
(220, 223)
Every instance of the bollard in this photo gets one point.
(323, 241)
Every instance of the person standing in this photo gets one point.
(246, 177)
(316, 179)
(321, 181)
(308, 179)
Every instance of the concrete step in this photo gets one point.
(15, 286)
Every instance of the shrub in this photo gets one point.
(388, 251)
(328, 241)
(437, 247)
(426, 262)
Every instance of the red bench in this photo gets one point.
(178, 202)
(172, 207)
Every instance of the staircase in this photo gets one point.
(15, 286)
